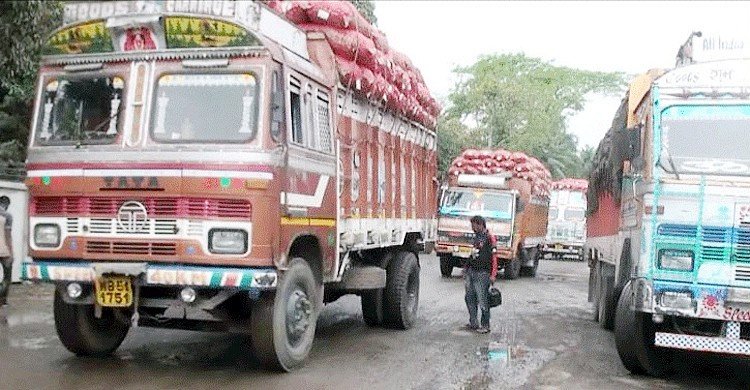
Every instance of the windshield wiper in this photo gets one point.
(115, 115)
(665, 151)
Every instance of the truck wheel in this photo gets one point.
(372, 307)
(401, 298)
(513, 269)
(446, 266)
(85, 335)
(595, 290)
(606, 303)
(634, 339)
(282, 326)
(531, 271)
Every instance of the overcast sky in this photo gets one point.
(626, 36)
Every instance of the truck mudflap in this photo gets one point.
(154, 274)
(731, 343)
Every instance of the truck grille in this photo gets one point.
(131, 248)
(742, 273)
(719, 243)
(76, 206)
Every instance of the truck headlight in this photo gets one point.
(227, 241)
(676, 299)
(676, 260)
(47, 235)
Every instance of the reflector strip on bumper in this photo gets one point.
(702, 343)
(162, 275)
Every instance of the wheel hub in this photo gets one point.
(298, 314)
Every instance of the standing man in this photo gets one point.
(480, 271)
(6, 248)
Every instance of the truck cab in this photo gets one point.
(488, 197)
(566, 228)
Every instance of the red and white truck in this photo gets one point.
(511, 191)
(213, 166)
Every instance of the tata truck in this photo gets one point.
(202, 166)
(512, 201)
(669, 210)
(566, 228)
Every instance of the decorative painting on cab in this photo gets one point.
(186, 32)
(84, 38)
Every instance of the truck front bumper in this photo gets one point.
(730, 343)
(563, 250)
(153, 274)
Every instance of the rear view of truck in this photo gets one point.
(511, 191)
(566, 230)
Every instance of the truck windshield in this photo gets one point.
(574, 214)
(205, 108)
(466, 202)
(80, 111)
(707, 139)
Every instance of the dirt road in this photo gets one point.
(542, 337)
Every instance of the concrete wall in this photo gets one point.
(18, 195)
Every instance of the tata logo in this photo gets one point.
(130, 182)
(132, 217)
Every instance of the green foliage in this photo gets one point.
(452, 137)
(24, 26)
(522, 103)
(367, 9)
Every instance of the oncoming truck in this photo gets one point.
(207, 166)
(669, 229)
(566, 229)
(511, 191)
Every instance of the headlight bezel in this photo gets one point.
(224, 250)
(47, 244)
(675, 260)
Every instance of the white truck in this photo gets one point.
(669, 228)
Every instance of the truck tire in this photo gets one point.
(401, 298)
(634, 339)
(531, 271)
(606, 303)
(595, 290)
(85, 335)
(513, 269)
(372, 307)
(282, 325)
(446, 266)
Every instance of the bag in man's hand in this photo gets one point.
(495, 297)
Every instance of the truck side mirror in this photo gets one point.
(628, 143)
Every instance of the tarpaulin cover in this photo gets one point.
(365, 61)
(517, 164)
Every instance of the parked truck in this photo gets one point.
(566, 226)
(213, 166)
(669, 224)
(511, 191)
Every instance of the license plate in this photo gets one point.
(558, 246)
(114, 291)
(462, 251)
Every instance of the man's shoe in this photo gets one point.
(483, 330)
(469, 327)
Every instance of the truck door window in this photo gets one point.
(324, 122)
(295, 104)
(277, 111)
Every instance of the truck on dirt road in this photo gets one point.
(669, 224)
(511, 191)
(566, 228)
(214, 166)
